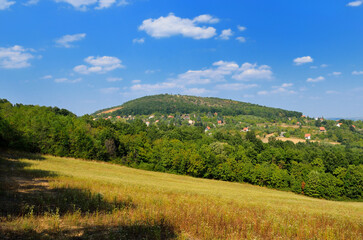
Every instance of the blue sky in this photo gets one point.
(84, 55)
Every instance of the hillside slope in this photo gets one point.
(104, 201)
(170, 104)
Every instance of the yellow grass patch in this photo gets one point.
(165, 206)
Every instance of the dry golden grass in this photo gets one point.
(139, 204)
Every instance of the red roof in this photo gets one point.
(353, 126)
(307, 135)
(322, 129)
(245, 129)
(219, 121)
(208, 127)
(340, 123)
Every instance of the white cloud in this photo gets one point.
(83, 5)
(219, 72)
(155, 87)
(318, 79)
(313, 67)
(114, 79)
(31, 2)
(241, 28)
(336, 73)
(172, 26)
(226, 34)
(357, 72)
(205, 18)
(123, 3)
(250, 71)
(241, 39)
(109, 90)
(285, 88)
(216, 74)
(331, 92)
(99, 65)
(235, 86)
(303, 60)
(136, 81)
(66, 80)
(47, 77)
(324, 65)
(138, 40)
(195, 91)
(66, 40)
(105, 4)
(5, 4)
(15, 57)
(355, 3)
(151, 71)
(262, 92)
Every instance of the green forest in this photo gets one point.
(310, 168)
(170, 104)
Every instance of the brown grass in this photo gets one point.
(126, 203)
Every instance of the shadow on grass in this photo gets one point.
(22, 193)
(134, 232)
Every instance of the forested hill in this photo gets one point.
(169, 104)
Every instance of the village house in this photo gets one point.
(118, 117)
(322, 129)
(147, 123)
(245, 129)
(151, 116)
(207, 129)
(191, 122)
(219, 122)
(170, 116)
(339, 124)
(307, 136)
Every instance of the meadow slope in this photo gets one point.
(71, 198)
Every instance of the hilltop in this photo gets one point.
(170, 104)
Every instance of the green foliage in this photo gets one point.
(317, 170)
(171, 104)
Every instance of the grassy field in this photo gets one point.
(46, 197)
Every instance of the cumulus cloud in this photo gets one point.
(241, 28)
(357, 72)
(172, 25)
(250, 71)
(303, 60)
(226, 34)
(136, 81)
(205, 18)
(336, 73)
(285, 88)
(109, 90)
(99, 65)
(138, 40)
(114, 79)
(235, 86)
(331, 92)
(5, 4)
(215, 77)
(83, 5)
(355, 3)
(66, 80)
(15, 57)
(217, 73)
(66, 40)
(47, 77)
(241, 39)
(317, 79)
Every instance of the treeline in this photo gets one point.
(324, 171)
(171, 104)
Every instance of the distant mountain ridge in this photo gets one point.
(183, 104)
